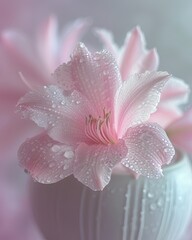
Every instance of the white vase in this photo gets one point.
(127, 209)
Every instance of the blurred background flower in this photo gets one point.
(167, 27)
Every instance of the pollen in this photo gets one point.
(100, 129)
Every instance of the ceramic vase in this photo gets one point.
(127, 209)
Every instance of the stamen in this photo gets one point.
(99, 130)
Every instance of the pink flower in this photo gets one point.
(35, 58)
(133, 57)
(93, 122)
(36, 61)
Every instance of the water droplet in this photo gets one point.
(66, 166)
(63, 102)
(180, 198)
(69, 154)
(53, 106)
(55, 148)
(52, 164)
(150, 195)
(152, 206)
(144, 190)
(160, 202)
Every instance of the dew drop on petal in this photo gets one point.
(69, 154)
(55, 148)
(52, 164)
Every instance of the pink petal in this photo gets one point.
(175, 93)
(95, 75)
(148, 149)
(134, 47)
(175, 90)
(45, 159)
(47, 43)
(63, 116)
(148, 62)
(94, 163)
(165, 115)
(106, 38)
(71, 36)
(21, 55)
(137, 98)
(180, 132)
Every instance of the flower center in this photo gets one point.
(100, 130)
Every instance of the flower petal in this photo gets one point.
(147, 62)
(20, 53)
(180, 132)
(165, 115)
(71, 36)
(148, 149)
(137, 98)
(95, 75)
(63, 116)
(175, 90)
(175, 93)
(94, 163)
(47, 43)
(106, 38)
(45, 159)
(133, 49)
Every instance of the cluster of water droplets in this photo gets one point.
(46, 160)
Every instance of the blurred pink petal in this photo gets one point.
(180, 132)
(22, 57)
(149, 61)
(146, 153)
(174, 94)
(71, 36)
(85, 114)
(57, 48)
(132, 57)
(137, 98)
(107, 39)
(37, 61)
(134, 47)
